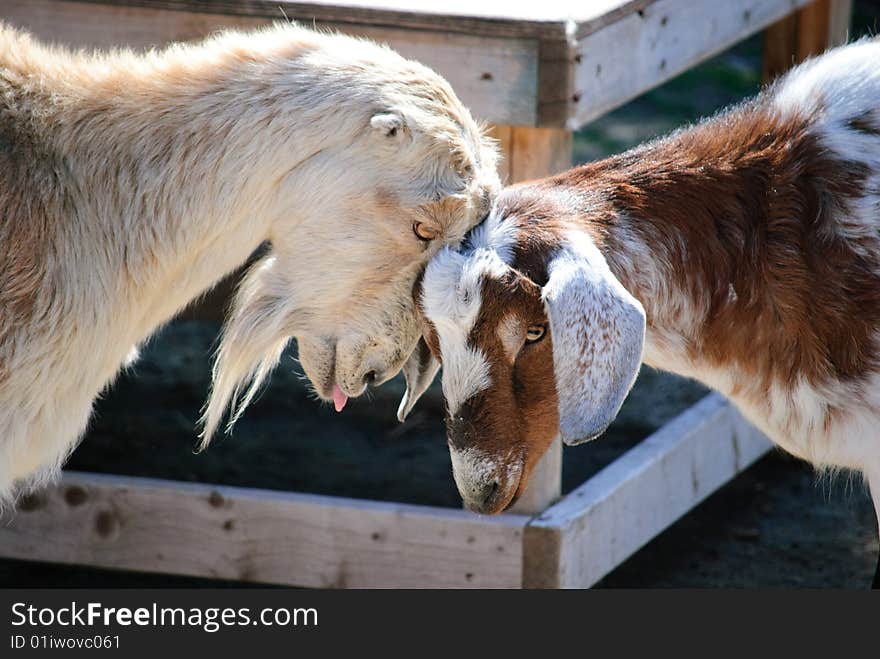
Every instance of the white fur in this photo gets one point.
(598, 331)
(833, 88)
(493, 234)
(451, 299)
(466, 373)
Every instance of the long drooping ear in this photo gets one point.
(419, 371)
(598, 332)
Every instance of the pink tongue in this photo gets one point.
(339, 398)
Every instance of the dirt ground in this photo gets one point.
(776, 525)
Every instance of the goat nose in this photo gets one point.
(370, 377)
(481, 496)
(489, 491)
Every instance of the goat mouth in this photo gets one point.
(326, 387)
(521, 484)
(517, 493)
(498, 505)
(332, 389)
(512, 502)
(501, 504)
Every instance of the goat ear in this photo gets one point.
(419, 371)
(389, 124)
(598, 332)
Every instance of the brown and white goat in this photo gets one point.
(131, 183)
(743, 252)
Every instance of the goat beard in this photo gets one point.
(251, 344)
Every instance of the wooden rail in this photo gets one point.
(262, 535)
(309, 540)
(556, 65)
(579, 540)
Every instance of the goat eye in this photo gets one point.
(535, 333)
(424, 233)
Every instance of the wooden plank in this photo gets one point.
(545, 484)
(839, 21)
(646, 48)
(551, 19)
(821, 25)
(605, 55)
(810, 31)
(528, 153)
(596, 527)
(495, 77)
(780, 47)
(538, 152)
(262, 536)
(557, 62)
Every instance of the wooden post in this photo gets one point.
(529, 153)
(780, 46)
(809, 31)
(545, 483)
(597, 526)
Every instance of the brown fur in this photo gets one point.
(749, 202)
(745, 217)
(513, 413)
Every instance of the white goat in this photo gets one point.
(743, 252)
(130, 184)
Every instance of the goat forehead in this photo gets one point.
(452, 306)
(497, 233)
(454, 280)
(452, 288)
(465, 374)
(452, 299)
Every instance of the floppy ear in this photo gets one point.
(389, 124)
(598, 332)
(419, 371)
